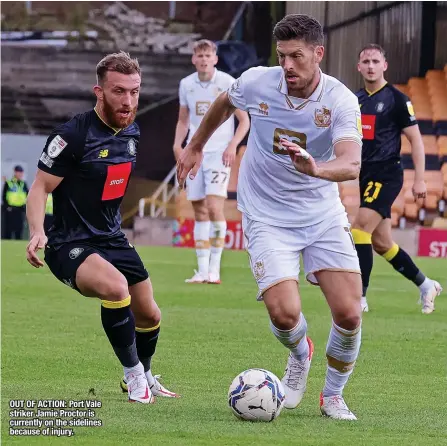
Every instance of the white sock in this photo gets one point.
(218, 230)
(202, 242)
(150, 378)
(342, 350)
(136, 370)
(426, 285)
(295, 339)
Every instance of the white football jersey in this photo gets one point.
(198, 97)
(270, 189)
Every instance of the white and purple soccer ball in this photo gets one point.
(256, 395)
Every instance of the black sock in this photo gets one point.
(403, 264)
(146, 343)
(364, 249)
(119, 325)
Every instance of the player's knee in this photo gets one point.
(149, 318)
(349, 320)
(380, 245)
(116, 290)
(201, 213)
(284, 319)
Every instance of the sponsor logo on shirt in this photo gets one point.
(322, 117)
(368, 126)
(202, 107)
(116, 181)
(56, 146)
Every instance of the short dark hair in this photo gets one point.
(299, 26)
(120, 62)
(373, 46)
(204, 44)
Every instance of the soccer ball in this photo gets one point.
(256, 395)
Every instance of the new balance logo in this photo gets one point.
(103, 153)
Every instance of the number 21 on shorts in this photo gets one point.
(371, 197)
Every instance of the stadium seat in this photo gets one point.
(439, 223)
(435, 185)
(431, 148)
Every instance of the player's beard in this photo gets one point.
(114, 119)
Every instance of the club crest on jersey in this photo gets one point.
(322, 117)
(56, 146)
(131, 147)
(75, 252)
(263, 109)
(379, 107)
(259, 270)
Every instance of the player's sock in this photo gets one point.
(403, 264)
(146, 342)
(295, 339)
(202, 242)
(119, 324)
(218, 230)
(364, 249)
(342, 350)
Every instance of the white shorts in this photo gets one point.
(275, 251)
(211, 179)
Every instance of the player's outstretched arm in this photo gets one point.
(191, 157)
(43, 184)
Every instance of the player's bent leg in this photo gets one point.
(147, 327)
(289, 326)
(96, 277)
(384, 245)
(342, 290)
(365, 223)
(201, 240)
(218, 230)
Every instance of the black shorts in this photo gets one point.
(65, 261)
(380, 186)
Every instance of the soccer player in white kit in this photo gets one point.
(305, 137)
(208, 190)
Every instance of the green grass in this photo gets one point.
(53, 347)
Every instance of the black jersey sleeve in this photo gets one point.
(404, 111)
(62, 151)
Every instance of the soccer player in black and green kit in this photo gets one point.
(86, 164)
(386, 113)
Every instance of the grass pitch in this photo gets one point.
(54, 347)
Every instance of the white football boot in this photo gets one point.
(154, 386)
(295, 378)
(336, 408)
(214, 278)
(138, 389)
(197, 278)
(427, 299)
(364, 304)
